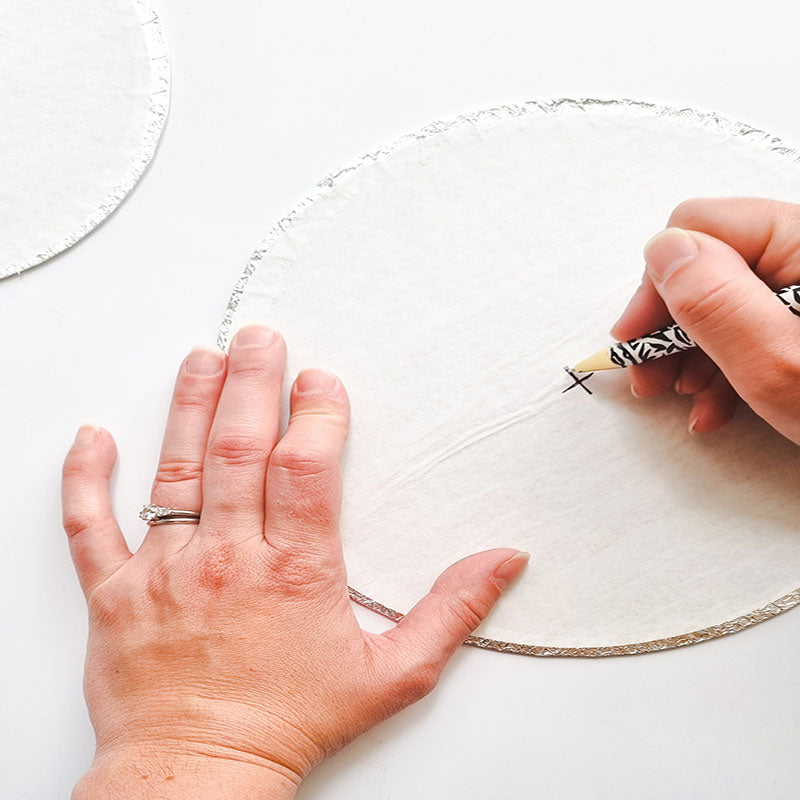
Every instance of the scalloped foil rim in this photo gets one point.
(154, 124)
(706, 119)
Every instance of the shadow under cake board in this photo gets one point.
(447, 279)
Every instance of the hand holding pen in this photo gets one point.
(715, 272)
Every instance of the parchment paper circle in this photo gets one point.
(85, 93)
(447, 279)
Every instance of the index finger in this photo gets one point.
(764, 232)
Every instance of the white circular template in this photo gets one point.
(84, 99)
(448, 279)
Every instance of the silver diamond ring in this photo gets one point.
(158, 515)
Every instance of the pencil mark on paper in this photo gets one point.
(579, 380)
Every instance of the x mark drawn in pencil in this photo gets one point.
(579, 380)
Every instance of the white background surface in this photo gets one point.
(267, 99)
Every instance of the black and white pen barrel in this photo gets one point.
(663, 342)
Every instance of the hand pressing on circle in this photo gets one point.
(224, 659)
(714, 271)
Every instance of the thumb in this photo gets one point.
(458, 602)
(714, 296)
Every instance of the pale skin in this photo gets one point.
(714, 272)
(224, 659)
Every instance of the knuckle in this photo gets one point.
(296, 573)
(76, 466)
(302, 462)
(306, 485)
(469, 611)
(239, 449)
(707, 307)
(217, 567)
(252, 369)
(158, 585)
(187, 399)
(110, 607)
(332, 415)
(177, 471)
(418, 681)
(466, 610)
(258, 363)
(77, 524)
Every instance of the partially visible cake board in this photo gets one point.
(84, 100)
(447, 279)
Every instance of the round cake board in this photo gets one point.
(448, 279)
(84, 101)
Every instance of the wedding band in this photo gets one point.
(158, 515)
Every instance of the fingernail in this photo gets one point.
(204, 362)
(667, 251)
(678, 386)
(510, 569)
(692, 423)
(314, 380)
(258, 335)
(86, 435)
(634, 393)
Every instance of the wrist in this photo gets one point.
(146, 773)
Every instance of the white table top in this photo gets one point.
(267, 99)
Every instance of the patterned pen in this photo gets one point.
(663, 342)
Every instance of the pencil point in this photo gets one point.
(598, 361)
